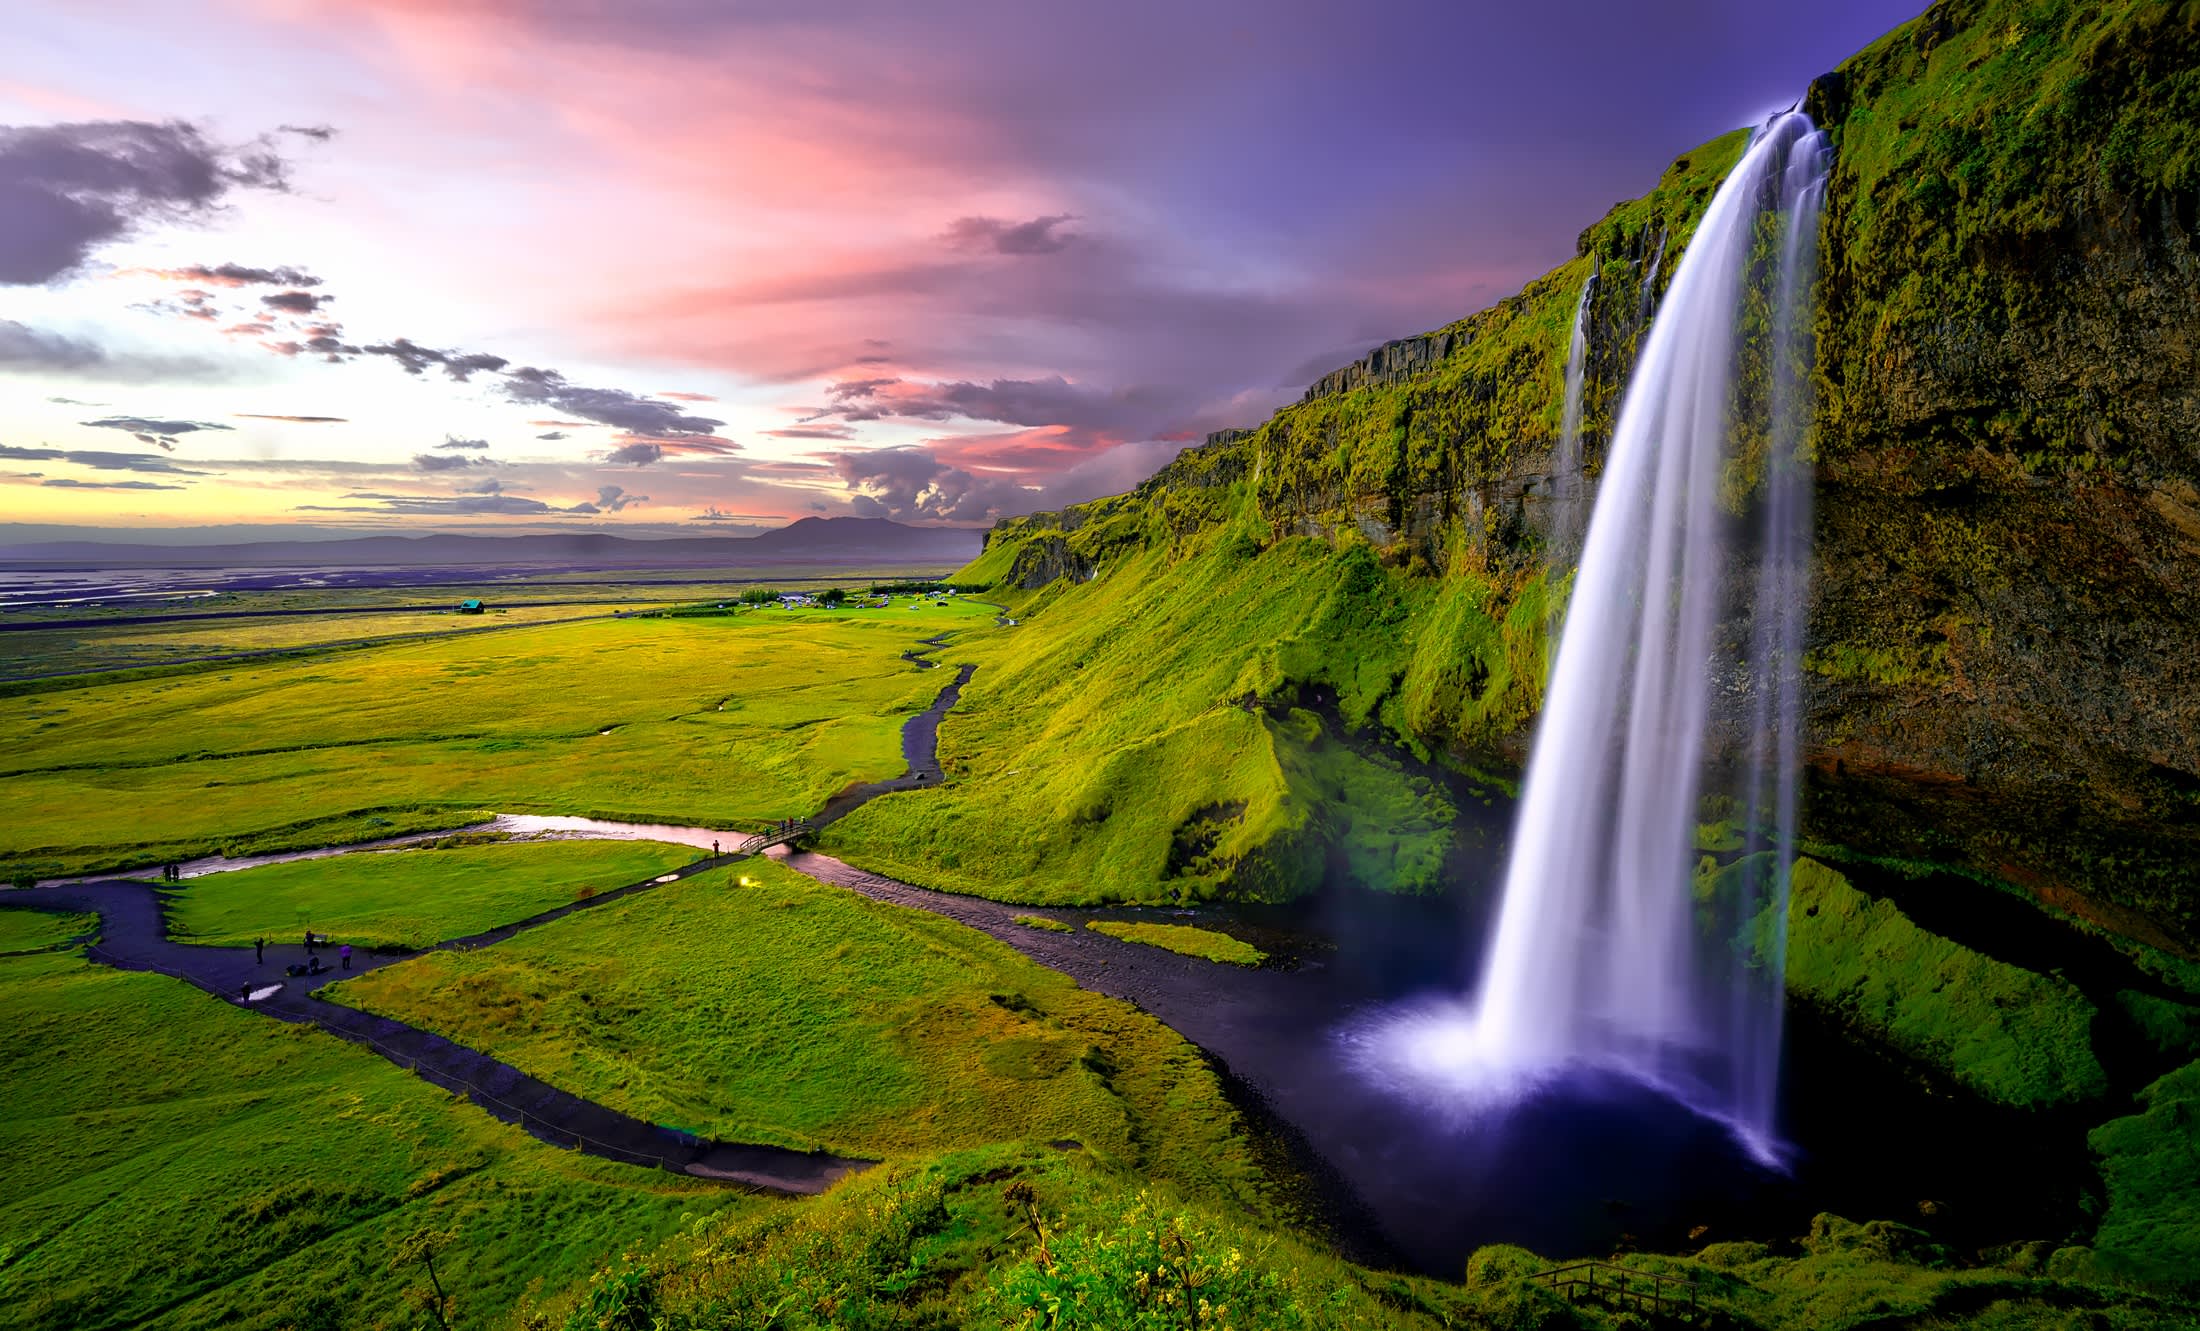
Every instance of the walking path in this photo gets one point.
(134, 936)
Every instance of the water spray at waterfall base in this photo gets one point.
(1609, 957)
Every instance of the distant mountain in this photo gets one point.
(809, 541)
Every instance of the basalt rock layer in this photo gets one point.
(2004, 643)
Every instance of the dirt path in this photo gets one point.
(134, 936)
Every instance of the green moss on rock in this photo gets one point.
(2006, 1033)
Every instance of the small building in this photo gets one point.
(471, 606)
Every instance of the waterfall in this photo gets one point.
(1650, 281)
(1566, 479)
(1602, 955)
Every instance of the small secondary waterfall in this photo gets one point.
(1650, 281)
(1566, 468)
(1606, 952)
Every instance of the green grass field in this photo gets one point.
(35, 931)
(805, 1015)
(722, 720)
(1190, 940)
(410, 898)
(168, 1160)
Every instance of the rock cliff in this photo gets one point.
(2004, 653)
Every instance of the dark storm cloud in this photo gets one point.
(295, 302)
(553, 435)
(446, 462)
(64, 484)
(238, 275)
(453, 441)
(910, 484)
(99, 460)
(1037, 236)
(635, 455)
(68, 189)
(612, 498)
(417, 359)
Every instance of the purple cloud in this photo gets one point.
(68, 189)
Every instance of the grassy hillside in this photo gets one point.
(1145, 735)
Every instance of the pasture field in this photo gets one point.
(34, 931)
(727, 720)
(409, 898)
(167, 1160)
(803, 1015)
(91, 645)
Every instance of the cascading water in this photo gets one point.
(1567, 488)
(1650, 281)
(1602, 955)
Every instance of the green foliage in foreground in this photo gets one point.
(1188, 939)
(1136, 738)
(2150, 1162)
(805, 1015)
(2007, 1033)
(167, 1160)
(37, 931)
(1017, 1236)
(730, 721)
(1025, 1237)
(410, 898)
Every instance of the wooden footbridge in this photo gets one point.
(1661, 1299)
(778, 836)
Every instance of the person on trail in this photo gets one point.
(344, 952)
(714, 849)
(309, 942)
(259, 951)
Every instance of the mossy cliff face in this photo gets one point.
(2004, 655)
(2006, 639)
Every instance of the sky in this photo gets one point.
(674, 266)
